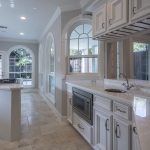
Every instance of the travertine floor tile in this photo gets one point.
(42, 130)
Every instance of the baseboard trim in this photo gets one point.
(60, 117)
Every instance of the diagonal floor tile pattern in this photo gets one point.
(42, 130)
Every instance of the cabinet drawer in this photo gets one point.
(122, 110)
(103, 102)
(69, 89)
(82, 127)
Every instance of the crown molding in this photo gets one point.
(70, 7)
(52, 20)
(94, 4)
(18, 40)
(83, 3)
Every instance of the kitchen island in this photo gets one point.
(127, 115)
(10, 111)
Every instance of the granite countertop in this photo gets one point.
(137, 99)
(11, 86)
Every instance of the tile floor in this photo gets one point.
(41, 130)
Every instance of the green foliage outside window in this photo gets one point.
(139, 47)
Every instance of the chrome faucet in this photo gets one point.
(127, 85)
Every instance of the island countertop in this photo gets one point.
(11, 86)
(137, 99)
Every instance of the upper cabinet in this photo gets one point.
(117, 13)
(140, 8)
(99, 20)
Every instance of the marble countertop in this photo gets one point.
(11, 86)
(139, 100)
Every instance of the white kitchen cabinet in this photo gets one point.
(99, 20)
(136, 142)
(140, 8)
(117, 13)
(69, 107)
(121, 135)
(83, 128)
(102, 130)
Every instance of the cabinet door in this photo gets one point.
(99, 20)
(118, 13)
(102, 130)
(140, 8)
(121, 135)
(135, 136)
(69, 108)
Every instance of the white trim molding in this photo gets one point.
(33, 62)
(53, 19)
(70, 7)
(19, 40)
(83, 3)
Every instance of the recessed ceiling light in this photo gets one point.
(21, 33)
(34, 8)
(23, 18)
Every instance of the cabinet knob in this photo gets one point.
(70, 100)
(106, 124)
(110, 21)
(121, 111)
(134, 130)
(80, 126)
(134, 10)
(116, 131)
(103, 25)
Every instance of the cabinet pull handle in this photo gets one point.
(134, 10)
(116, 131)
(134, 130)
(80, 126)
(70, 101)
(121, 111)
(103, 25)
(110, 21)
(106, 124)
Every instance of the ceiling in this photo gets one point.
(37, 12)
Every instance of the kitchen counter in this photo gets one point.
(137, 99)
(11, 86)
(10, 111)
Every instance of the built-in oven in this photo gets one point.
(83, 104)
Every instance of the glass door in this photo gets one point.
(2, 55)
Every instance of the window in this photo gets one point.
(141, 54)
(52, 70)
(41, 67)
(21, 65)
(83, 54)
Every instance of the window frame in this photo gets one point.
(80, 56)
(41, 69)
(49, 40)
(33, 63)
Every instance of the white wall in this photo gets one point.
(5, 46)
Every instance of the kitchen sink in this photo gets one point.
(115, 90)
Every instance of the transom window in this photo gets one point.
(20, 65)
(83, 54)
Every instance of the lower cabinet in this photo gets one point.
(69, 107)
(136, 142)
(83, 128)
(102, 130)
(121, 135)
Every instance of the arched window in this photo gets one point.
(21, 64)
(50, 72)
(83, 51)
